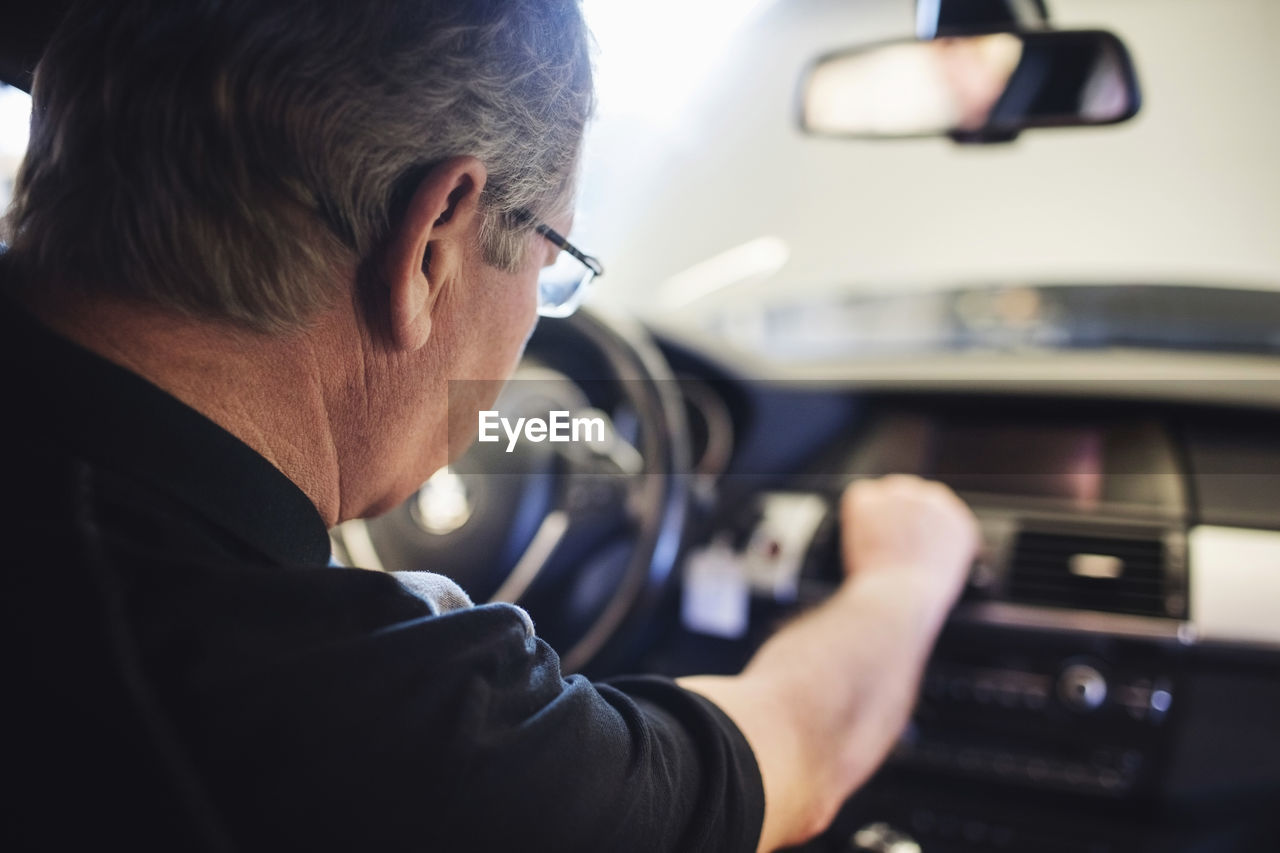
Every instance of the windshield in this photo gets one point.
(15, 114)
(709, 207)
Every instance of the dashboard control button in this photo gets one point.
(1160, 702)
(1033, 697)
(1009, 695)
(1082, 688)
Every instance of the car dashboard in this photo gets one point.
(1110, 679)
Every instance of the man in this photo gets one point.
(250, 244)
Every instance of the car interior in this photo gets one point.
(1024, 247)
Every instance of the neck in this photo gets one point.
(272, 391)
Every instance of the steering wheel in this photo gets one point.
(583, 534)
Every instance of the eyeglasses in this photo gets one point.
(563, 285)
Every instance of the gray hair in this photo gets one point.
(223, 158)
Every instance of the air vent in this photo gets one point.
(1111, 573)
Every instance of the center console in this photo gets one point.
(1058, 676)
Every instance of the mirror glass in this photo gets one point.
(995, 83)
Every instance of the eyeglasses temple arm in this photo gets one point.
(565, 246)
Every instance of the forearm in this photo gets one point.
(824, 700)
(854, 667)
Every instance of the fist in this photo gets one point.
(911, 528)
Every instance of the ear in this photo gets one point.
(428, 249)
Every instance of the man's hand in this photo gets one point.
(910, 529)
(824, 700)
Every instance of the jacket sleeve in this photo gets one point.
(458, 732)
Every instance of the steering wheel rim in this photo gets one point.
(657, 496)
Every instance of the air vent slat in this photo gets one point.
(1101, 586)
(1090, 585)
(1063, 563)
(1041, 573)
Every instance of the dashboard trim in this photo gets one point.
(1009, 615)
(1235, 584)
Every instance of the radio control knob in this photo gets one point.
(882, 838)
(1082, 688)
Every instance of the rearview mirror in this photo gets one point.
(985, 87)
